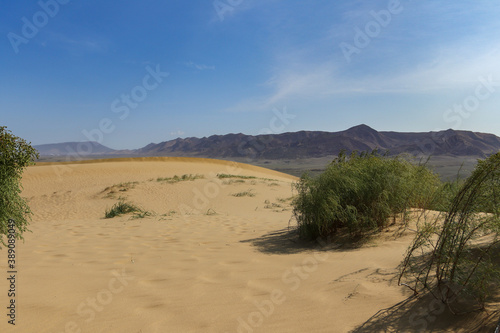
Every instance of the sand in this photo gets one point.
(205, 260)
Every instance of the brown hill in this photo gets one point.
(310, 144)
(73, 148)
(300, 145)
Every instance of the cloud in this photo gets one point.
(446, 68)
(77, 46)
(224, 9)
(177, 133)
(199, 67)
(457, 44)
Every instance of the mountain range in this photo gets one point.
(298, 145)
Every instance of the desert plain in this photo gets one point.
(214, 252)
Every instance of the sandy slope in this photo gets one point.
(205, 261)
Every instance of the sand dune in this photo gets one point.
(206, 260)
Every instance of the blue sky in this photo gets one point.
(129, 73)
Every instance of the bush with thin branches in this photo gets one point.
(361, 193)
(453, 257)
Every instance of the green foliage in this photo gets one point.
(248, 193)
(454, 257)
(122, 187)
(239, 178)
(125, 186)
(360, 193)
(224, 175)
(141, 214)
(176, 179)
(15, 155)
(122, 208)
(233, 181)
(443, 197)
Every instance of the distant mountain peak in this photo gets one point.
(361, 127)
(71, 148)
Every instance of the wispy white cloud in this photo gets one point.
(76, 45)
(222, 10)
(200, 67)
(444, 72)
(177, 133)
(445, 66)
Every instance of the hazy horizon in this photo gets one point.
(131, 74)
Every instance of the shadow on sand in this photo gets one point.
(415, 314)
(287, 241)
(426, 314)
(284, 241)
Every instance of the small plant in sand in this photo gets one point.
(273, 205)
(122, 208)
(233, 181)
(111, 191)
(224, 175)
(166, 215)
(15, 155)
(141, 214)
(248, 193)
(126, 186)
(284, 200)
(210, 212)
(176, 179)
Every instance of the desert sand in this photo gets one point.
(205, 260)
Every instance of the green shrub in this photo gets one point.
(443, 196)
(360, 193)
(454, 257)
(122, 208)
(15, 155)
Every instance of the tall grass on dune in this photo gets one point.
(360, 193)
(122, 208)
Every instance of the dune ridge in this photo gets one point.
(215, 255)
(197, 160)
